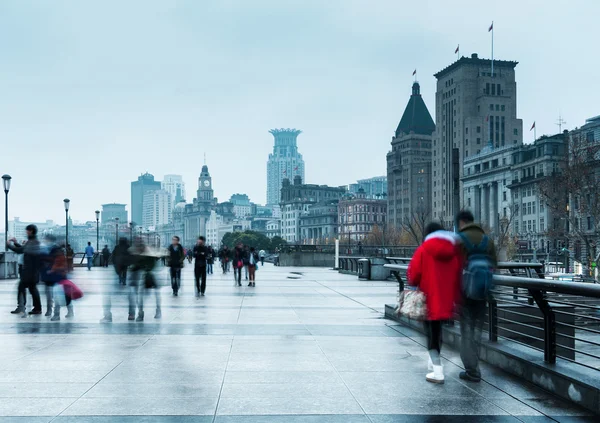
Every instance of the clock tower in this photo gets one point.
(205, 190)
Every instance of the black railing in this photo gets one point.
(352, 249)
(559, 319)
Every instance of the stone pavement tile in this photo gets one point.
(48, 389)
(142, 406)
(314, 363)
(35, 406)
(38, 363)
(370, 363)
(186, 375)
(290, 405)
(428, 418)
(294, 419)
(397, 385)
(300, 377)
(418, 403)
(54, 376)
(552, 406)
(132, 419)
(166, 390)
(284, 390)
(28, 419)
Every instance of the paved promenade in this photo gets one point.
(305, 347)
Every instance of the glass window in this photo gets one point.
(491, 107)
(516, 132)
(502, 107)
(479, 129)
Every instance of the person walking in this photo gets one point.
(61, 294)
(479, 255)
(105, 256)
(238, 263)
(89, 255)
(70, 255)
(175, 260)
(436, 269)
(224, 257)
(262, 254)
(200, 254)
(30, 274)
(49, 254)
(144, 261)
(210, 260)
(121, 261)
(252, 265)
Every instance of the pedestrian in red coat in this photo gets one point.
(436, 268)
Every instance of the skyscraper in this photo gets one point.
(284, 163)
(175, 186)
(474, 109)
(409, 164)
(157, 208)
(139, 188)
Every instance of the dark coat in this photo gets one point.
(474, 234)
(31, 259)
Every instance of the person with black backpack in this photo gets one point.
(479, 253)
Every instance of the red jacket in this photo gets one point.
(436, 268)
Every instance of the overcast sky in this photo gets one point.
(94, 93)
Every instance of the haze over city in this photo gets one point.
(96, 93)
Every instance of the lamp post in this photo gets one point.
(67, 203)
(6, 181)
(116, 231)
(97, 230)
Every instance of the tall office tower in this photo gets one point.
(157, 208)
(474, 109)
(139, 188)
(409, 164)
(284, 163)
(175, 186)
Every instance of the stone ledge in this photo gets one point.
(567, 380)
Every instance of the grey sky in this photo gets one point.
(93, 93)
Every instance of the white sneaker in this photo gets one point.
(429, 365)
(437, 376)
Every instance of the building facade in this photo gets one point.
(242, 207)
(16, 228)
(139, 188)
(175, 186)
(273, 228)
(473, 108)
(409, 163)
(319, 225)
(296, 199)
(284, 163)
(157, 209)
(358, 216)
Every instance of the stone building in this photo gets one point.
(534, 223)
(296, 200)
(473, 108)
(139, 188)
(358, 215)
(409, 163)
(319, 225)
(376, 187)
(284, 162)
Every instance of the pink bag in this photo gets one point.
(71, 289)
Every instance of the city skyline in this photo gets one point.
(86, 111)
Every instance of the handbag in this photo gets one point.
(412, 304)
(71, 290)
(149, 281)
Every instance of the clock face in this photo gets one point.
(206, 183)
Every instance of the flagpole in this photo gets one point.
(534, 132)
(492, 49)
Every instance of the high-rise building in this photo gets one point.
(175, 186)
(376, 187)
(242, 207)
(112, 211)
(409, 164)
(139, 188)
(473, 109)
(157, 208)
(284, 163)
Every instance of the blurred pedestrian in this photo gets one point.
(200, 255)
(70, 255)
(262, 254)
(479, 254)
(175, 260)
(210, 260)
(253, 260)
(30, 274)
(49, 254)
(246, 261)
(225, 257)
(121, 260)
(238, 263)
(62, 289)
(89, 255)
(436, 268)
(143, 280)
(105, 256)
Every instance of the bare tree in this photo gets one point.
(415, 225)
(573, 193)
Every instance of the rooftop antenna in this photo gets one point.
(560, 122)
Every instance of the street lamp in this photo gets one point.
(6, 181)
(116, 231)
(97, 229)
(67, 202)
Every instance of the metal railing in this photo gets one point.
(559, 319)
(352, 250)
(349, 264)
